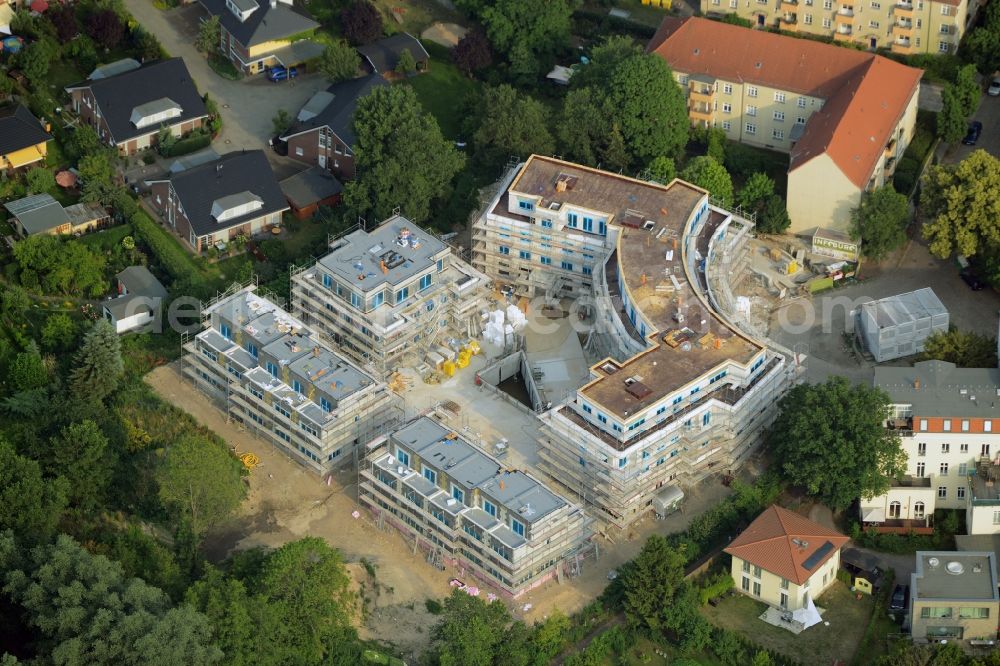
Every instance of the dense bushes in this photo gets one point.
(169, 254)
(189, 144)
(947, 523)
(908, 170)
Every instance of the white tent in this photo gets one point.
(807, 616)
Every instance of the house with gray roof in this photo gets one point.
(468, 510)
(310, 189)
(42, 214)
(137, 302)
(213, 203)
(323, 134)
(23, 138)
(128, 107)
(259, 34)
(382, 57)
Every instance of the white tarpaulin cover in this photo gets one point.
(807, 616)
(872, 514)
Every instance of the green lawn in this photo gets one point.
(108, 238)
(847, 617)
(441, 91)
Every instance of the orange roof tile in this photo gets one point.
(865, 94)
(783, 542)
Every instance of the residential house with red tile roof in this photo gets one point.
(785, 559)
(844, 116)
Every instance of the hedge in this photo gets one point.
(169, 254)
(189, 145)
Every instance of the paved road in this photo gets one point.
(246, 106)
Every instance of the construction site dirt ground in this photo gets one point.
(285, 502)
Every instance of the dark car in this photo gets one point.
(900, 598)
(971, 279)
(277, 74)
(975, 129)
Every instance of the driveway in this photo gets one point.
(989, 115)
(246, 106)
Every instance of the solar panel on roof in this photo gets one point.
(816, 557)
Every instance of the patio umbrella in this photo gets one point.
(39, 6)
(66, 179)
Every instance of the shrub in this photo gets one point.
(189, 144)
(434, 606)
(171, 257)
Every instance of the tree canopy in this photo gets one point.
(963, 348)
(962, 202)
(880, 220)
(339, 61)
(201, 480)
(526, 33)
(361, 23)
(705, 172)
(402, 159)
(98, 365)
(831, 439)
(509, 123)
(473, 53)
(951, 119)
(29, 504)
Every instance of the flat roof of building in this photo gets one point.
(449, 452)
(374, 260)
(905, 308)
(950, 575)
(939, 388)
(649, 259)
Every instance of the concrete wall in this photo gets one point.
(983, 519)
(495, 374)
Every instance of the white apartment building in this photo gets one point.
(389, 293)
(465, 509)
(947, 418)
(278, 379)
(684, 391)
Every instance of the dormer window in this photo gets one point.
(155, 112)
(242, 9)
(235, 205)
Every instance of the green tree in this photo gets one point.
(951, 118)
(705, 172)
(715, 144)
(407, 64)
(39, 180)
(340, 61)
(662, 170)
(550, 635)
(528, 33)
(614, 154)
(509, 123)
(209, 37)
(762, 658)
(963, 203)
(605, 59)
(470, 631)
(967, 89)
(982, 44)
(773, 216)
(98, 366)
(879, 221)
(243, 627)
(281, 121)
(963, 348)
(651, 582)
(831, 439)
(755, 192)
(645, 101)
(100, 182)
(402, 159)
(88, 612)
(27, 371)
(35, 60)
(80, 455)
(581, 126)
(201, 481)
(29, 504)
(84, 141)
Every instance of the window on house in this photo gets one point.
(746, 566)
(572, 220)
(921, 470)
(942, 492)
(802, 102)
(935, 613)
(800, 120)
(943, 469)
(517, 527)
(745, 584)
(944, 47)
(526, 205)
(566, 266)
(751, 110)
(827, 23)
(918, 510)
(996, 517)
(960, 491)
(779, 116)
(922, 449)
(458, 493)
(778, 134)
(272, 369)
(546, 261)
(973, 613)
(504, 249)
(873, 24)
(923, 425)
(751, 91)
(524, 255)
(430, 475)
(963, 448)
(727, 107)
(946, 448)
(490, 508)
(807, 19)
(987, 426)
(756, 589)
(425, 282)
(726, 125)
(751, 128)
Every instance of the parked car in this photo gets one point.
(975, 129)
(277, 74)
(994, 89)
(971, 279)
(900, 598)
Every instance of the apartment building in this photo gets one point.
(844, 116)
(683, 392)
(394, 292)
(784, 559)
(945, 417)
(279, 380)
(465, 509)
(931, 26)
(128, 105)
(953, 597)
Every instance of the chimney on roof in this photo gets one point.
(916, 384)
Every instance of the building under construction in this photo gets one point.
(685, 388)
(465, 509)
(275, 377)
(391, 294)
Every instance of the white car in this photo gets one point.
(994, 89)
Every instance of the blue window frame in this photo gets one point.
(583, 463)
(695, 390)
(403, 457)
(356, 300)
(660, 410)
(566, 266)
(430, 475)
(622, 462)
(327, 281)
(458, 493)
(602, 227)
(296, 386)
(587, 270)
(402, 294)
(272, 369)
(524, 255)
(526, 205)
(571, 220)
(504, 249)
(252, 349)
(226, 331)
(587, 408)
(425, 281)
(588, 224)
(546, 261)
(706, 418)
(378, 299)
(440, 265)
(325, 404)
(678, 399)
(546, 224)
(490, 508)
(602, 418)
(517, 527)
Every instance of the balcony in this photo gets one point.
(903, 9)
(842, 20)
(903, 45)
(789, 22)
(842, 34)
(701, 112)
(902, 427)
(702, 95)
(846, 11)
(789, 5)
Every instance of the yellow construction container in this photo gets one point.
(448, 368)
(473, 347)
(463, 358)
(793, 267)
